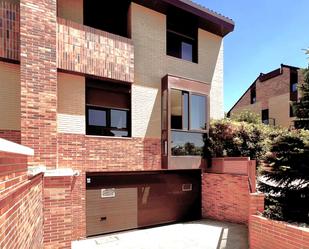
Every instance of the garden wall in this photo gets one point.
(225, 197)
(270, 234)
(21, 206)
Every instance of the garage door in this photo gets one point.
(122, 201)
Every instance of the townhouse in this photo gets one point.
(116, 96)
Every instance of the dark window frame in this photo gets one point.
(179, 32)
(189, 129)
(253, 94)
(265, 116)
(106, 131)
(293, 83)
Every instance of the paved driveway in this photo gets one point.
(203, 234)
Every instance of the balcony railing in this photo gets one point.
(90, 51)
(9, 31)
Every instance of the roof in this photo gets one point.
(208, 19)
(263, 77)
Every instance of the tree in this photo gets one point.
(301, 107)
(286, 179)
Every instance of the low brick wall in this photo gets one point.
(58, 218)
(21, 207)
(225, 197)
(11, 135)
(270, 234)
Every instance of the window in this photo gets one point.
(181, 35)
(293, 84)
(110, 16)
(187, 143)
(265, 116)
(253, 94)
(107, 109)
(182, 111)
(292, 114)
(188, 123)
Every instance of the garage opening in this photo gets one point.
(128, 200)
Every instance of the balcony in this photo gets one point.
(9, 32)
(90, 51)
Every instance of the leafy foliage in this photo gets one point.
(233, 138)
(247, 116)
(301, 107)
(286, 179)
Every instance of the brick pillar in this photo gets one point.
(58, 212)
(39, 79)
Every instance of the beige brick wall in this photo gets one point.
(216, 92)
(152, 64)
(71, 104)
(279, 109)
(71, 10)
(9, 96)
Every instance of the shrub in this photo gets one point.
(232, 138)
(247, 116)
(286, 181)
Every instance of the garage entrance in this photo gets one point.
(128, 200)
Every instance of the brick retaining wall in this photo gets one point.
(270, 234)
(21, 217)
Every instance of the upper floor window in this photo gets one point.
(188, 111)
(110, 16)
(181, 37)
(293, 84)
(107, 109)
(265, 116)
(253, 94)
(188, 122)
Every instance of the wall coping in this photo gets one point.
(11, 147)
(281, 223)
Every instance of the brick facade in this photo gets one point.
(269, 234)
(225, 197)
(91, 153)
(38, 76)
(21, 206)
(58, 212)
(113, 56)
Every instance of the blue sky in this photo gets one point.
(267, 33)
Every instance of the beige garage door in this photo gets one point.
(110, 210)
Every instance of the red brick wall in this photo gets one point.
(10, 135)
(58, 212)
(38, 75)
(21, 209)
(270, 234)
(113, 56)
(90, 153)
(225, 197)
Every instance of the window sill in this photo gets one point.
(109, 137)
(182, 60)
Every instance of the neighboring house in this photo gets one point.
(118, 91)
(271, 95)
